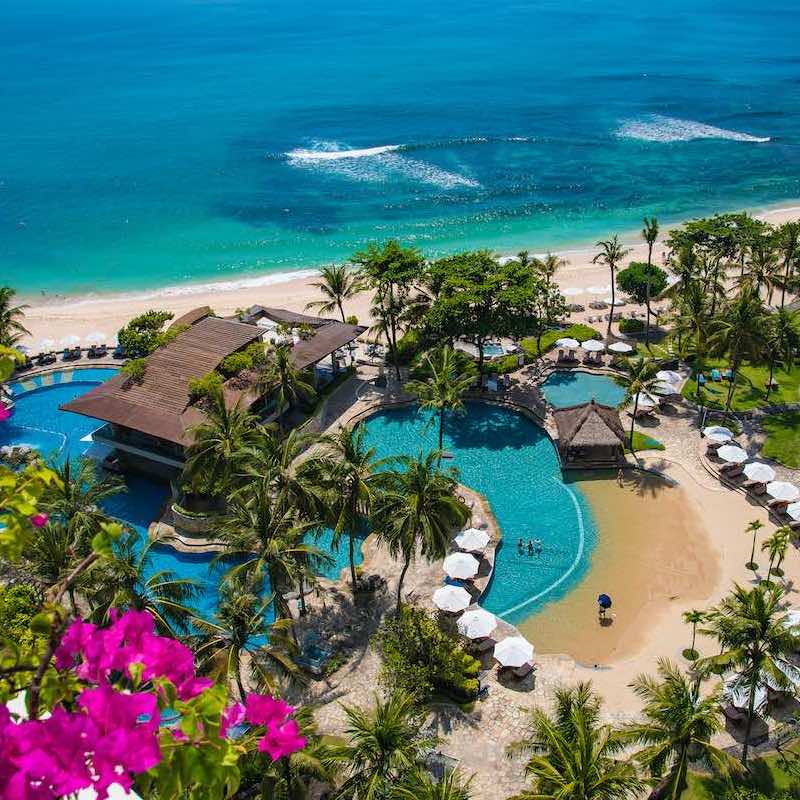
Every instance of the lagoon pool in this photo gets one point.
(564, 388)
(512, 462)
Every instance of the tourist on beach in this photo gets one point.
(620, 478)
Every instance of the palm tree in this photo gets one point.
(241, 626)
(650, 235)
(289, 384)
(692, 618)
(677, 730)
(127, 580)
(783, 340)
(11, 327)
(571, 756)
(640, 376)
(337, 284)
(444, 389)
(764, 268)
(754, 527)
(347, 467)
(692, 323)
(50, 556)
(219, 444)
(384, 746)
(740, 331)
(421, 785)
(775, 547)
(611, 253)
(417, 510)
(757, 642)
(788, 242)
(548, 266)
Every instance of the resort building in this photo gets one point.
(590, 435)
(149, 421)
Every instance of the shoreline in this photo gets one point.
(57, 316)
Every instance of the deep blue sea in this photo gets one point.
(156, 142)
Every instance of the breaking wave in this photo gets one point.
(336, 155)
(658, 128)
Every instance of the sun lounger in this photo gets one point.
(778, 506)
(728, 375)
(560, 355)
(732, 470)
(756, 488)
(491, 385)
(716, 375)
(484, 682)
(701, 379)
(97, 351)
(26, 365)
(523, 671)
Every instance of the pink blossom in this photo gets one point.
(39, 520)
(231, 717)
(282, 740)
(5, 413)
(263, 709)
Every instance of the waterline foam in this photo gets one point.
(658, 128)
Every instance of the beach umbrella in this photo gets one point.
(610, 301)
(604, 601)
(472, 539)
(716, 433)
(669, 376)
(461, 565)
(759, 471)
(738, 694)
(452, 598)
(794, 511)
(570, 344)
(47, 344)
(70, 341)
(513, 652)
(793, 616)
(663, 388)
(781, 490)
(96, 337)
(476, 624)
(620, 347)
(732, 454)
(599, 289)
(644, 401)
(23, 348)
(572, 291)
(593, 346)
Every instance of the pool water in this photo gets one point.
(512, 462)
(564, 388)
(493, 350)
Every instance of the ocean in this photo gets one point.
(159, 142)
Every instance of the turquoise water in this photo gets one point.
(512, 462)
(154, 142)
(570, 387)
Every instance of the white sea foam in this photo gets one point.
(658, 128)
(375, 165)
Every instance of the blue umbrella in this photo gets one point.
(604, 601)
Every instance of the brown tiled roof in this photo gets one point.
(254, 313)
(193, 316)
(589, 424)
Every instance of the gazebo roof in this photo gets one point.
(589, 424)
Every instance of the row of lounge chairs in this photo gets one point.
(68, 354)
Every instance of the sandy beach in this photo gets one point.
(55, 318)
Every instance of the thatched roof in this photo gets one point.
(588, 424)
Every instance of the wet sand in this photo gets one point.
(653, 557)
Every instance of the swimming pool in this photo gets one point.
(512, 462)
(571, 387)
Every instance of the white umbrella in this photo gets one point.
(620, 347)
(476, 624)
(662, 387)
(452, 598)
(513, 652)
(759, 471)
(593, 346)
(572, 291)
(610, 301)
(717, 433)
(461, 565)
(70, 341)
(570, 344)
(23, 348)
(644, 401)
(669, 375)
(781, 490)
(739, 694)
(794, 512)
(732, 453)
(47, 344)
(472, 539)
(599, 289)
(97, 337)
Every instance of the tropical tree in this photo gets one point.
(417, 510)
(240, 627)
(639, 376)
(444, 389)
(11, 327)
(692, 324)
(787, 239)
(129, 579)
(753, 527)
(611, 253)
(421, 785)
(783, 341)
(548, 266)
(650, 235)
(384, 748)
(572, 756)
(50, 556)
(757, 642)
(677, 730)
(337, 284)
(288, 383)
(692, 618)
(776, 547)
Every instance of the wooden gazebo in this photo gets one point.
(590, 436)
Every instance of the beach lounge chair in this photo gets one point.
(701, 379)
(560, 355)
(716, 375)
(491, 385)
(26, 365)
(484, 682)
(732, 470)
(778, 506)
(523, 671)
(727, 375)
(571, 356)
(756, 488)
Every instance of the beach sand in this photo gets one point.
(52, 317)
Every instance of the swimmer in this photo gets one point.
(530, 547)
(537, 546)
(520, 546)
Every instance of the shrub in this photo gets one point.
(502, 365)
(235, 363)
(408, 346)
(143, 334)
(134, 370)
(352, 320)
(18, 606)
(421, 658)
(630, 325)
(257, 351)
(205, 386)
(578, 331)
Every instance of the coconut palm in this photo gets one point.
(692, 618)
(337, 284)
(11, 327)
(571, 756)
(548, 266)
(289, 384)
(384, 746)
(757, 642)
(783, 341)
(754, 527)
(787, 239)
(417, 510)
(740, 332)
(650, 235)
(421, 785)
(444, 389)
(129, 579)
(639, 376)
(611, 253)
(677, 730)
(241, 627)
(692, 324)
(776, 547)
(50, 556)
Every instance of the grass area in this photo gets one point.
(641, 441)
(577, 331)
(783, 438)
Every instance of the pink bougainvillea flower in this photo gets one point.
(39, 520)
(231, 717)
(263, 709)
(282, 740)
(5, 413)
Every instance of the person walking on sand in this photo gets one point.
(620, 478)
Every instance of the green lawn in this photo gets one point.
(783, 438)
(577, 331)
(641, 441)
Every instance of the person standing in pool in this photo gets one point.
(530, 547)
(537, 546)
(521, 546)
